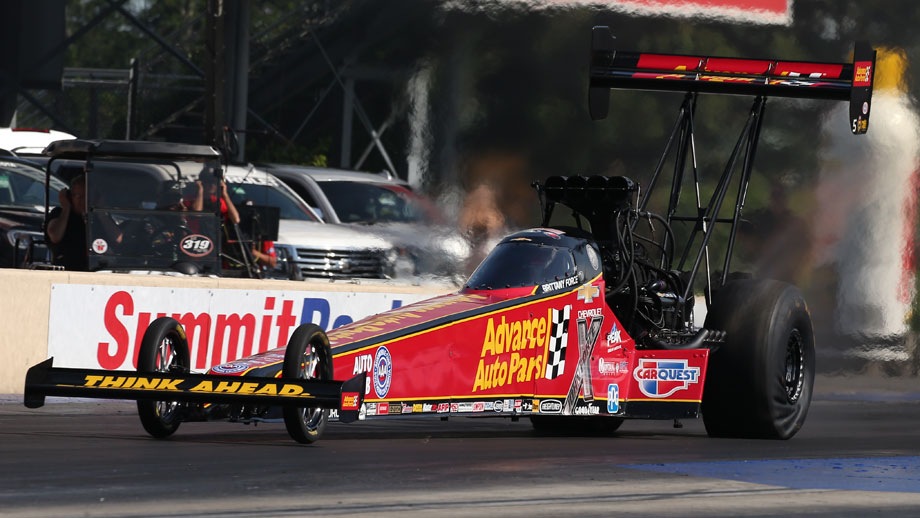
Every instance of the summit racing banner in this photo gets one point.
(101, 327)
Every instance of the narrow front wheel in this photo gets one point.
(307, 356)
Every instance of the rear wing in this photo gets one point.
(740, 76)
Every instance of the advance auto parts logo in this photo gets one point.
(196, 245)
(515, 351)
(383, 372)
(661, 378)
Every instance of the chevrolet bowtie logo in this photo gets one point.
(587, 292)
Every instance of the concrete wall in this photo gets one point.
(25, 301)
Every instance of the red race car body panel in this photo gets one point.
(507, 351)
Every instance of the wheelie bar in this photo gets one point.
(45, 380)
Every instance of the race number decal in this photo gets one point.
(196, 245)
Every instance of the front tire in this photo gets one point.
(759, 382)
(307, 356)
(164, 348)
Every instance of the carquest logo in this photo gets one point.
(383, 372)
(196, 245)
(550, 406)
(661, 378)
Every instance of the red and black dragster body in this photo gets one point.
(576, 326)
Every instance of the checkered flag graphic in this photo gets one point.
(558, 340)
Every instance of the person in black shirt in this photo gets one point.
(66, 228)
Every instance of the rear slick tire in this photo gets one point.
(164, 348)
(759, 382)
(307, 356)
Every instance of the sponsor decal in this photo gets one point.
(371, 408)
(230, 368)
(587, 293)
(613, 398)
(100, 246)
(550, 406)
(383, 321)
(196, 245)
(661, 378)
(568, 282)
(512, 351)
(489, 406)
(588, 333)
(363, 363)
(612, 367)
(417, 408)
(464, 407)
(588, 409)
(454, 407)
(614, 338)
(333, 414)
(443, 408)
(498, 405)
(526, 405)
(479, 406)
(383, 408)
(395, 408)
(518, 405)
(549, 232)
(350, 400)
(862, 74)
(141, 383)
(408, 409)
(593, 258)
(428, 407)
(383, 371)
(585, 314)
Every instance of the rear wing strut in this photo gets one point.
(721, 75)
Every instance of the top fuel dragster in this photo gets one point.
(576, 327)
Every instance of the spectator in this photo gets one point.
(266, 257)
(65, 227)
(211, 193)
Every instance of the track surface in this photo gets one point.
(858, 455)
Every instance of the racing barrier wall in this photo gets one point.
(97, 320)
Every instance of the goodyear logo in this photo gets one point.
(140, 383)
(661, 378)
(512, 351)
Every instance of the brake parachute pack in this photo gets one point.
(612, 68)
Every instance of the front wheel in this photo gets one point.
(759, 382)
(307, 357)
(164, 348)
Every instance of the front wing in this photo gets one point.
(45, 380)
